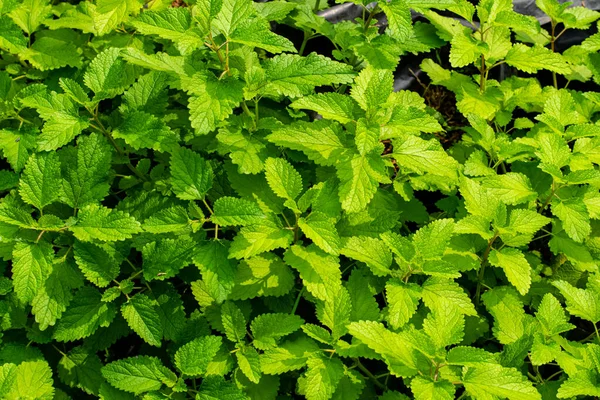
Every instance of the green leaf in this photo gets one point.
(399, 19)
(515, 266)
(192, 358)
(85, 314)
(283, 179)
(293, 75)
(104, 224)
(81, 368)
(259, 276)
(233, 13)
(465, 50)
(574, 216)
(174, 24)
(191, 175)
(212, 100)
(582, 383)
(138, 374)
(15, 146)
(335, 312)
(216, 268)
(495, 380)
(321, 229)
(256, 32)
(372, 88)
(164, 258)
(268, 328)
(403, 300)
(424, 156)
(33, 380)
(141, 130)
(233, 211)
(583, 303)
(532, 59)
(249, 363)
(108, 75)
(364, 305)
(32, 264)
(96, 263)
(31, 14)
(289, 356)
(170, 219)
(511, 188)
(321, 378)
(56, 294)
(40, 179)
(319, 271)
(439, 293)
(86, 171)
(506, 308)
(329, 105)
(321, 141)
(360, 177)
(141, 316)
(234, 322)
(552, 316)
(11, 37)
(259, 238)
(371, 251)
(425, 389)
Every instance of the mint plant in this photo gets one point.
(197, 205)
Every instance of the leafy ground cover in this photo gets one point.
(226, 199)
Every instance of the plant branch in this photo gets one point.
(368, 373)
(484, 262)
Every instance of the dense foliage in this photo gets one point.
(195, 204)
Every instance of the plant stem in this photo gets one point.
(552, 47)
(295, 307)
(112, 141)
(368, 373)
(484, 261)
(305, 40)
(597, 334)
(482, 75)
(207, 207)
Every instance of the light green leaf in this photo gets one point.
(360, 177)
(425, 389)
(138, 374)
(283, 179)
(333, 106)
(532, 59)
(515, 266)
(321, 229)
(574, 217)
(104, 224)
(192, 358)
(233, 211)
(259, 238)
(319, 271)
(494, 380)
(402, 300)
(33, 380)
(583, 303)
(371, 251)
(97, 264)
(259, 276)
(31, 14)
(233, 322)
(268, 328)
(191, 175)
(551, 316)
(141, 130)
(511, 188)
(170, 219)
(85, 314)
(32, 264)
(321, 378)
(372, 88)
(108, 75)
(321, 141)
(249, 363)
(141, 316)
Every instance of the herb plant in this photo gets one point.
(226, 199)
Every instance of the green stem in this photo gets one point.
(552, 47)
(597, 334)
(207, 207)
(297, 300)
(482, 75)
(305, 39)
(484, 261)
(374, 11)
(368, 373)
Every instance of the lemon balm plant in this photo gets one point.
(196, 204)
